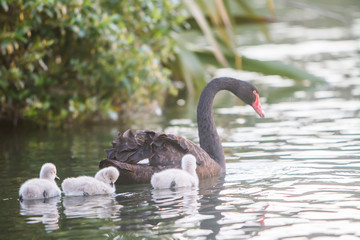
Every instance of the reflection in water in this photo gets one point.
(210, 190)
(42, 211)
(180, 207)
(99, 206)
(159, 211)
(185, 200)
(184, 213)
(211, 211)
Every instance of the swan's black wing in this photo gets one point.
(131, 173)
(163, 151)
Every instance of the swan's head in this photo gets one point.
(48, 171)
(188, 163)
(108, 175)
(250, 95)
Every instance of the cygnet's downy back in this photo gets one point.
(174, 178)
(102, 183)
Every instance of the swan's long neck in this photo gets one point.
(208, 136)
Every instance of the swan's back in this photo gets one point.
(43, 187)
(37, 188)
(84, 186)
(172, 178)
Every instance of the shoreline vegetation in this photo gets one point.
(67, 62)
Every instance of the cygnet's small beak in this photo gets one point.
(112, 184)
(57, 178)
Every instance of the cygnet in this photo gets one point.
(102, 183)
(175, 178)
(43, 187)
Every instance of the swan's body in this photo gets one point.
(176, 178)
(166, 150)
(43, 187)
(102, 183)
(85, 186)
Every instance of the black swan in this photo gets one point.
(166, 150)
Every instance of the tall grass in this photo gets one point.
(210, 40)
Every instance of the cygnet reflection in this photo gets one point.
(43, 211)
(178, 201)
(98, 206)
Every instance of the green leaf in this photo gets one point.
(4, 5)
(279, 68)
(265, 67)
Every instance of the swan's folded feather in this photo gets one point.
(129, 148)
(131, 173)
(163, 151)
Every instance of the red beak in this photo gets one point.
(257, 106)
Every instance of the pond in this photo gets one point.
(292, 175)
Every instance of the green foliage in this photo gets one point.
(68, 60)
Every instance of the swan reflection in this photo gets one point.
(43, 211)
(180, 201)
(99, 206)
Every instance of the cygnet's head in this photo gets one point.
(108, 175)
(188, 163)
(48, 171)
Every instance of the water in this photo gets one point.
(292, 175)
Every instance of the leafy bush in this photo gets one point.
(79, 60)
(68, 60)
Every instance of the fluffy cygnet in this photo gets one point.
(102, 183)
(175, 178)
(43, 187)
